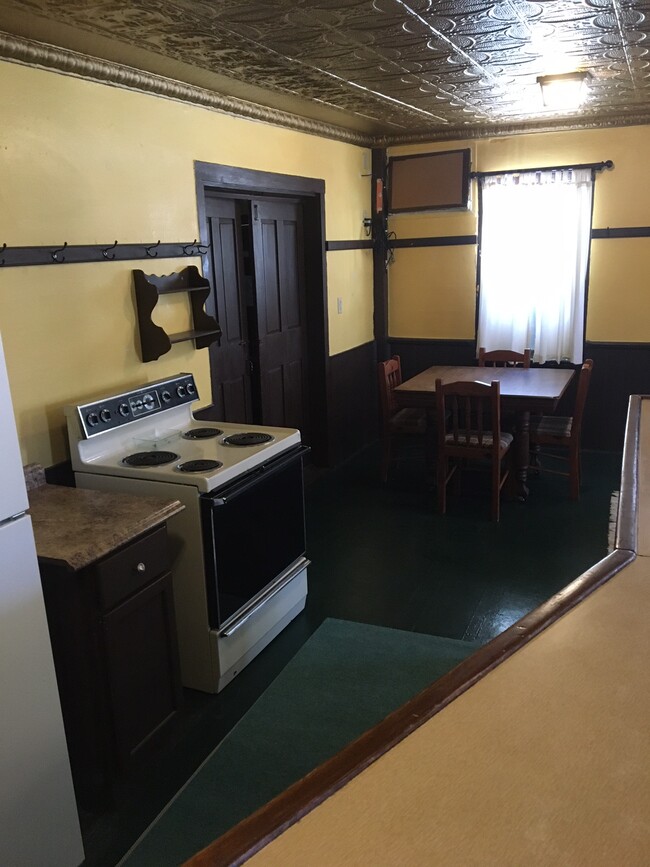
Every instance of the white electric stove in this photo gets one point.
(238, 548)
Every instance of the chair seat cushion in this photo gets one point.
(505, 439)
(408, 420)
(551, 425)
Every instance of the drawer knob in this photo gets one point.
(141, 567)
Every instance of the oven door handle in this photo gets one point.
(282, 583)
(251, 480)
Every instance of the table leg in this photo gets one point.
(431, 447)
(522, 451)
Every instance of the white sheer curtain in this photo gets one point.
(535, 236)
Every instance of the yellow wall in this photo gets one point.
(432, 290)
(87, 163)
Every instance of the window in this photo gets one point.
(534, 255)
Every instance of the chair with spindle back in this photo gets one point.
(395, 423)
(469, 429)
(504, 358)
(563, 432)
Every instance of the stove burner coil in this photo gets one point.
(201, 433)
(150, 459)
(248, 439)
(199, 466)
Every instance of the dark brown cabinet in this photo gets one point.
(114, 641)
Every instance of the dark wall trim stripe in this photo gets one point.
(442, 241)
(330, 246)
(625, 232)
(604, 344)
(461, 240)
(69, 254)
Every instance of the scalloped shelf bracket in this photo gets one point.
(154, 340)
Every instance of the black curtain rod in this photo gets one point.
(597, 167)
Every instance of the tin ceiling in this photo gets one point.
(376, 71)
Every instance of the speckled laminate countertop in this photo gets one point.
(75, 527)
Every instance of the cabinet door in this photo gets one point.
(142, 665)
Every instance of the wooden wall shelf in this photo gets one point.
(154, 340)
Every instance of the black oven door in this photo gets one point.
(253, 530)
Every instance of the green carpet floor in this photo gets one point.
(345, 679)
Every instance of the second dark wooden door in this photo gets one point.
(281, 327)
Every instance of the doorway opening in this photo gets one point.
(266, 263)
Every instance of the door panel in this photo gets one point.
(279, 280)
(230, 367)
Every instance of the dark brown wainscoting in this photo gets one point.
(417, 354)
(620, 369)
(354, 416)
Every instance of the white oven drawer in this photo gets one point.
(243, 637)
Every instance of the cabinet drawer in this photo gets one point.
(122, 574)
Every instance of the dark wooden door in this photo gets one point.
(281, 326)
(231, 368)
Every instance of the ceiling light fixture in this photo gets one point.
(564, 91)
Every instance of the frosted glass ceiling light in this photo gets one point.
(567, 90)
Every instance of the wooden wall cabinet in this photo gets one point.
(113, 636)
(154, 341)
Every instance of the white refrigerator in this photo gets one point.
(39, 823)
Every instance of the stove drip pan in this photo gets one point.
(150, 459)
(199, 466)
(201, 433)
(249, 438)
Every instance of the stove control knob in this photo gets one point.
(190, 388)
(148, 401)
(180, 391)
(166, 396)
(93, 419)
(138, 404)
(123, 409)
(105, 415)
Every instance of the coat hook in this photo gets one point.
(55, 253)
(187, 249)
(105, 253)
(4, 247)
(202, 250)
(150, 248)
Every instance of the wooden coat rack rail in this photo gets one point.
(65, 254)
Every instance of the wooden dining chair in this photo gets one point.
(562, 432)
(395, 423)
(504, 358)
(469, 429)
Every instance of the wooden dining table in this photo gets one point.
(523, 390)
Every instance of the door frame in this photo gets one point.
(217, 178)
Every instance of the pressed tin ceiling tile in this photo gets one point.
(399, 69)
